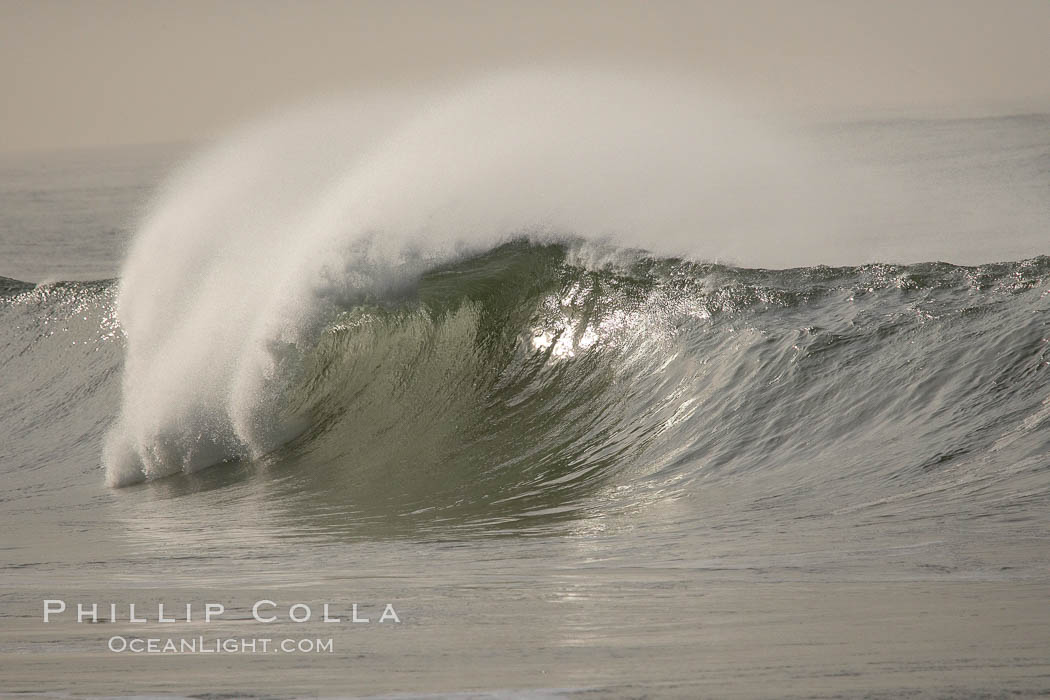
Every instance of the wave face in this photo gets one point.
(536, 380)
(526, 382)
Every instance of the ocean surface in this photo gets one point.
(575, 466)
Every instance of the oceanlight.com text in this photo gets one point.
(229, 645)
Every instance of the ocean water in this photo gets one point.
(578, 460)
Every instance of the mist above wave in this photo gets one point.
(255, 242)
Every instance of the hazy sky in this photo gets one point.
(81, 73)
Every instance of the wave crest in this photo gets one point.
(254, 246)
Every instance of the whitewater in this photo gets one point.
(602, 378)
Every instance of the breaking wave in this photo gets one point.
(491, 304)
(253, 247)
(523, 382)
